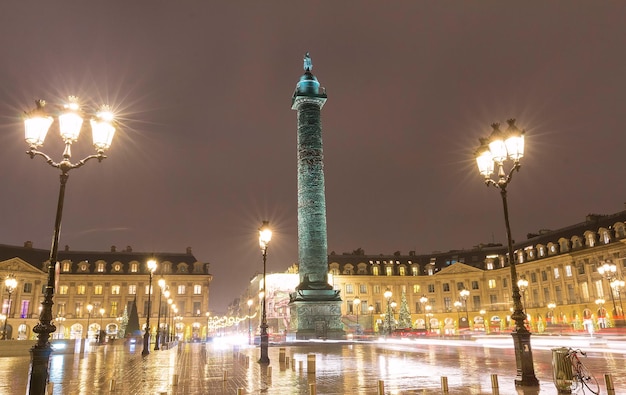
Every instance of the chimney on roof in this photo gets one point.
(129, 249)
(67, 248)
(28, 244)
(411, 253)
(188, 250)
(113, 249)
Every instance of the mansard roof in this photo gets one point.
(37, 257)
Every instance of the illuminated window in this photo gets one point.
(97, 290)
(556, 273)
(491, 283)
(113, 309)
(414, 270)
(181, 289)
(349, 289)
(389, 271)
(132, 290)
(133, 267)
(149, 289)
(489, 265)
(100, 267)
(568, 270)
(402, 270)
(115, 290)
(67, 267)
(375, 270)
(80, 289)
(197, 289)
(63, 289)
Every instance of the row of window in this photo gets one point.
(377, 289)
(117, 267)
(132, 289)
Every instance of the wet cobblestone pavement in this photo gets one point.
(341, 368)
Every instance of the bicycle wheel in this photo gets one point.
(588, 380)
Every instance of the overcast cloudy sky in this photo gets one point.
(207, 145)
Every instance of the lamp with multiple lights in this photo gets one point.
(265, 236)
(37, 123)
(608, 270)
(494, 151)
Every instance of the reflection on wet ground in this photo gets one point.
(340, 368)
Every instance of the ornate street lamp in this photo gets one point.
(36, 123)
(161, 283)
(608, 270)
(494, 151)
(356, 304)
(423, 301)
(464, 294)
(151, 265)
(168, 334)
(89, 309)
(265, 236)
(10, 283)
(166, 330)
(428, 308)
(387, 296)
(249, 326)
(458, 306)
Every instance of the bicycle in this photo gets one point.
(581, 376)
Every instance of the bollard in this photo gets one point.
(608, 380)
(269, 372)
(300, 366)
(225, 377)
(494, 381)
(112, 385)
(175, 380)
(312, 389)
(287, 361)
(444, 384)
(239, 391)
(293, 364)
(310, 363)
(281, 354)
(248, 360)
(381, 387)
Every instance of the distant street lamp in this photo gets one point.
(387, 296)
(370, 308)
(89, 309)
(551, 306)
(249, 326)
(522, 284)
(618, 285)
(464, 294)
(161, 283)
(428, 308)
(36, 124)
(458, 306)
(151, 265)
(608, 270)
(356, 304)
(265, 236)
(102, 331)
(423, 301)
(166, 330)
(601, 313)
(10, 283)
(494, 150)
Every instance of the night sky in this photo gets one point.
(206, 148)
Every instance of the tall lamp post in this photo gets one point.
(151, 265)
(10, 283)
(89, 310)
(356, 304)
(428, 308)
(161, 283)
(102, 332)
(601, 313)
(370, 308)
(166, 329)
(608, 270)
(265, 236)
(36, 124)
(551, 306)
(494, 151)
(249, 326)
(464, 294)
(458, 306)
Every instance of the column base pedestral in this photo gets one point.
(316, 314)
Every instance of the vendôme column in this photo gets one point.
(315, 306)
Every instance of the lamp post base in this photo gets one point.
(146, 344)
(39, 359)
(264, 359)
(524, 360)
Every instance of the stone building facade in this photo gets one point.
(111, 281)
